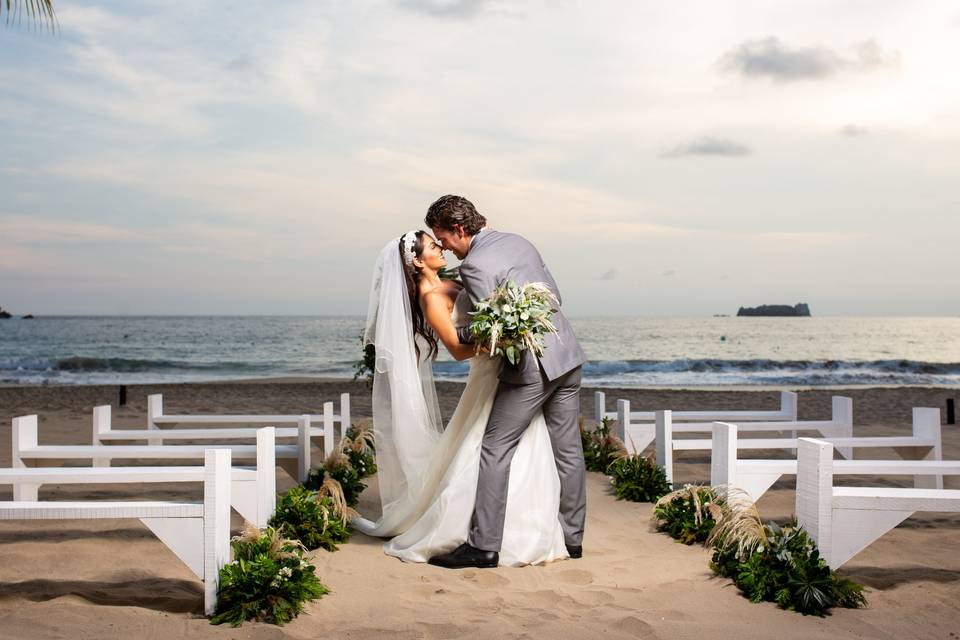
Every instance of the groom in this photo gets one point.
(550, 382)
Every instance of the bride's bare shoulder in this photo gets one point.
(436, 297)
(444, 293)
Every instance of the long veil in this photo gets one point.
(406, 414)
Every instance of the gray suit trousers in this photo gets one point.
(513, 410)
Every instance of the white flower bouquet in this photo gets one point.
(514, 319)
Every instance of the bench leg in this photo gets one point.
(26, 492)
(756, 484)
(664, 437)
(855, 529)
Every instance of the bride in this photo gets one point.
(428, 474)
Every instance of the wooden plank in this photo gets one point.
(201, 434)
(172, 452)
(697, 444)
(114, 475)
(97, 510)
(896, 499)
(236, 419)
(858, 467)
(805, 425)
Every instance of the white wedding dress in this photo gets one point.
(435, 517)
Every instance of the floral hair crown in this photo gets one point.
(408, 239)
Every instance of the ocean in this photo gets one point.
(622, 351)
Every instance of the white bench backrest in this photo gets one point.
(787, 411)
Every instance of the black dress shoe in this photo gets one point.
(466, 556)
(575, 551)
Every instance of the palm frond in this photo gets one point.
(37, 11)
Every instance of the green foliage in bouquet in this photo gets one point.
(778, 564)
(318, 519)
(685, 514)
(600, 447)
(449, 274)
(269, 580)
(638, 479)
(514, 319)
(337, 467)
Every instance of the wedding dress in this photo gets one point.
(428, 487)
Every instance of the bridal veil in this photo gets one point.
(406, 414)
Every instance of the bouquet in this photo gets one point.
(513, 319)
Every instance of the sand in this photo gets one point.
(107, 579)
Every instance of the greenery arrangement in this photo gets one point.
(600, 447)
(355, 461)
(318, 511)
(318, 519)
(269, 580)
(778, 564)
(359, 447)
(365, 366)
(685, 514)
(638, 479)
(337, 467)
(513, 319)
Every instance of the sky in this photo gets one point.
(667, 158)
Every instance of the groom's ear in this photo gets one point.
(459, 229)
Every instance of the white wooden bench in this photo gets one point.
(626, 418)
(845, 520)
(839, 426)
(254, 490)
(199, 534)
(922, 453)
(156, 419)
(103, 432)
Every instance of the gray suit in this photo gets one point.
(550, 383)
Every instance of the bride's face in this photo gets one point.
(431, 254)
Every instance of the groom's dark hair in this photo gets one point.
(450, 210)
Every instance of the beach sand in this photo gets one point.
(113, 579)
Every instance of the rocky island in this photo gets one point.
(4, 315)
(800, 310)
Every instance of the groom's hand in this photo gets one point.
(464, 335)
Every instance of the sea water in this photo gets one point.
(622, 351)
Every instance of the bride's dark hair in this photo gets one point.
(412, 275)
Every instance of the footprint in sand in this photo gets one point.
(575, 576)
(635, 627)
(484, 578)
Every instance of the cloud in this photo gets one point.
(708, 146)
(771, 58)
(609, 275)
(446, 8)
(22, 229)
(854, 131)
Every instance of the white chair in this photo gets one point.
(156, 418)
(922, 453)
(643, 437)
(199, 534)
(254, 494)
(840, 425)
(845, 520)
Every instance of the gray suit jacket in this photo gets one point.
(495, 258)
